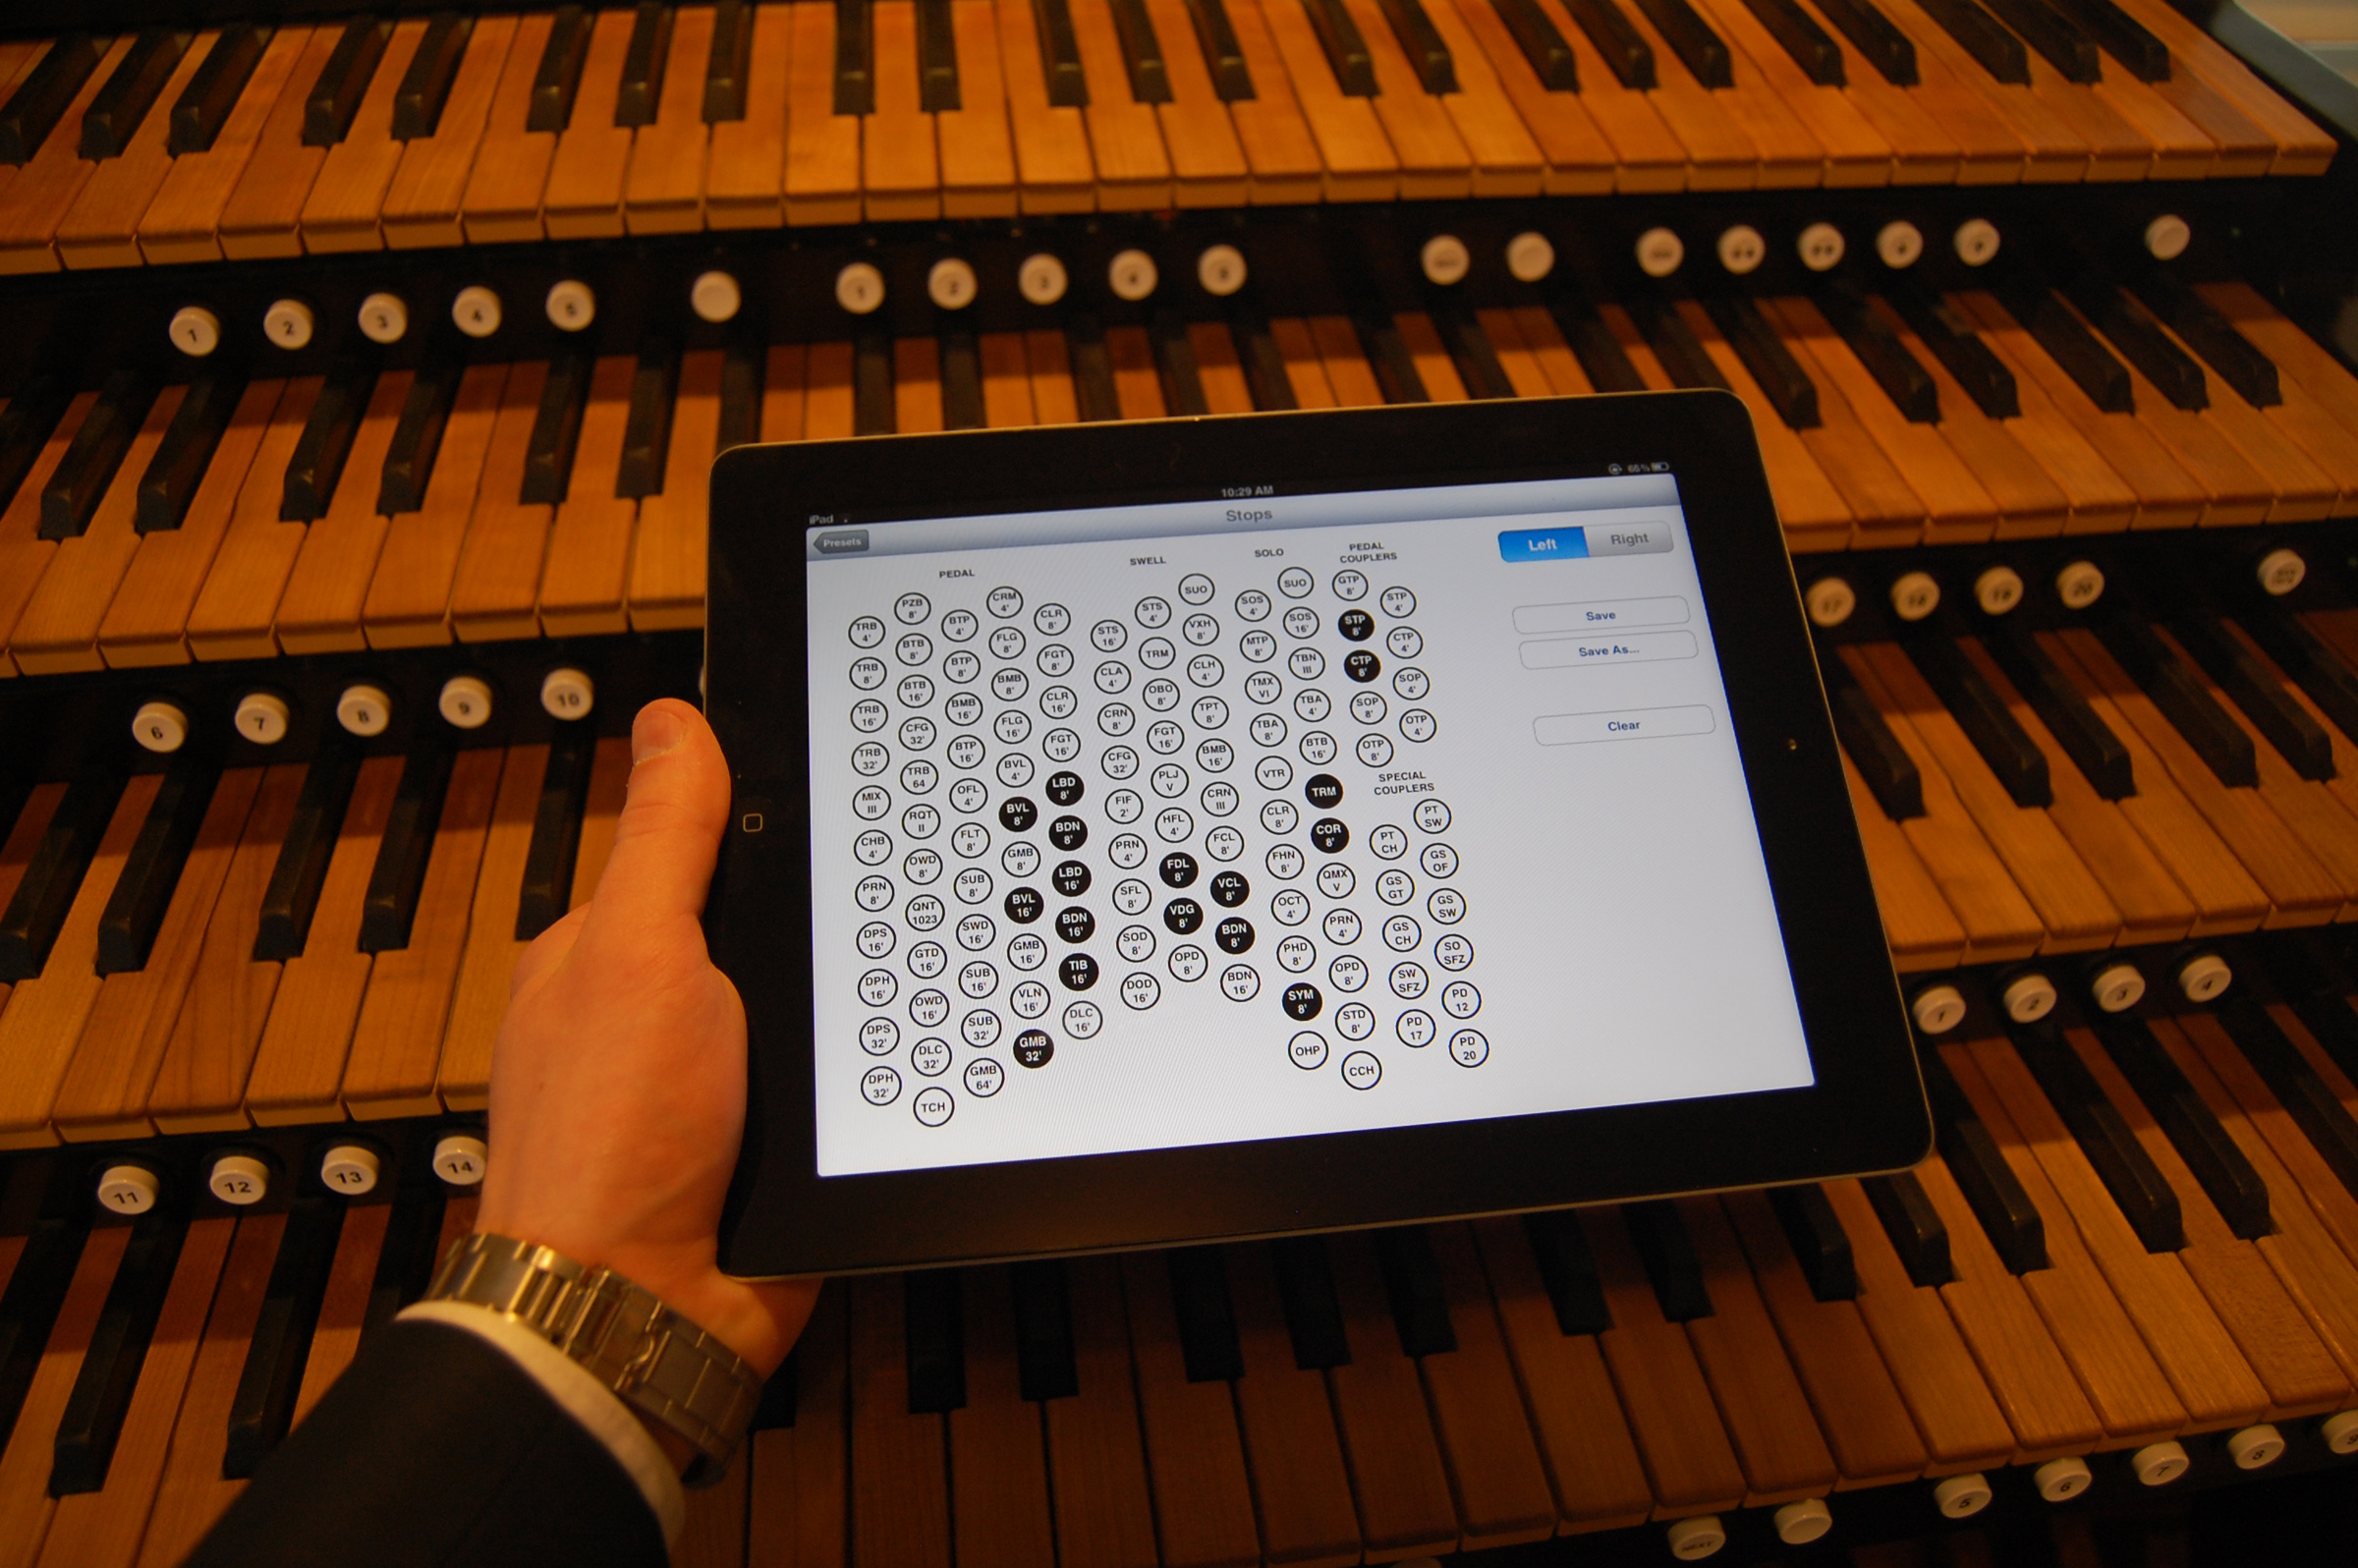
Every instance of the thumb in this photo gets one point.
(668, 837)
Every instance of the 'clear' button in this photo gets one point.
(1622, 724)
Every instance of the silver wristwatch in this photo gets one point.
(655, 1359)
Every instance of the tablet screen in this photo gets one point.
(1204, 821)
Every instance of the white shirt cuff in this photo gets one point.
(598, 1410)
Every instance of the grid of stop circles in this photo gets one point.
(1073, 809)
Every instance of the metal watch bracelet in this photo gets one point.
(654, 1358)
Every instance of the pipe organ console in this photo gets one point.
(361, 367)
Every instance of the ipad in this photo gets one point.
(1148, 833)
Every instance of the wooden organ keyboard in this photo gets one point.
(328, 583)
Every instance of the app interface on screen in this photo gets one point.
(1148, 826)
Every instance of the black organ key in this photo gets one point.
(1535, 34)
(83, 1446)
(2066, 340)
(2064, 710)
(1989, 1186)
(2315, 667)
(185, 452)
(2317, 997)
(728, 61)
(1568, 1270)
(1094, 392)
(1800, 35)
(1470, 347)
(1229, 889)
(1346, 51)
(1064, 787)
(264, 1403)
(2229, 352)
(647, 433)
(1313, 1312)
(405, 1265)
(874, 412)
(1175, 367)
(1668, 1254)
(127, 930)
(2139, 338)
(1978, 34)
(1905, 381)
(1045, 1365)
(45, 1271)
(1592, 342)
(335, 97)
(2273, 711)
(1078, 972)
(1059, 54)
(742, 374)
(1234, 935)
(418, 438)
(1142, 52)
(1301, 999)
(1076, 925)
(559, 74)
(1979, 712)
(1789, 387)
(30, 418)
(643, 64)
(59, 861)
(325, 442)
(1692, 39)
(2122, 36)
(123, 102)
(1820, 1244)
(1017, 814)
(936, 58)
(391, 904)
(425, 85)
(2179, 694)
(2225, 1176)
(1891, 51)
(1068, 833)
(1184, 916)
(46, 93)
(95, 454)
(1178, 870)
(961, 381)
(1263, 361)
(1914, 1226)
(1205, 1314)
(1231, 77)
(2127, 1171)
(1418, 1295)
(2054, 35)
(2306, 1097)
(1395, 368)
(204, 103)
(1676, 346)
(1956, 344)
(1024, 905)
(1329, 834)
(1890, 773)
(1428, 55)
(1071, 878)
(293, 894)
(933, 1332)
(1626, 52)
(547, 890)
(556, 431)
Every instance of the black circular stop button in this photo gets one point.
(1302, 1001)
(1234, 935)
(1323, 791)
(1017, 815)
(1025, 905)
(1064, 788)
(1068, 832)
(1329, 834)
(1357, 626)
(1183, 914)
(1079, 971)
(1229, 889)
(1076, 925)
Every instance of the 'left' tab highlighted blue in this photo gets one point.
(1543, 545)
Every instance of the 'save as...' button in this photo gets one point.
(1620, 724)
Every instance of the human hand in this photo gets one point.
(618, 1084)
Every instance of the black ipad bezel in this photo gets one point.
(1865, 1112)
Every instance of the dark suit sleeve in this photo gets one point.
(436, 1449)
